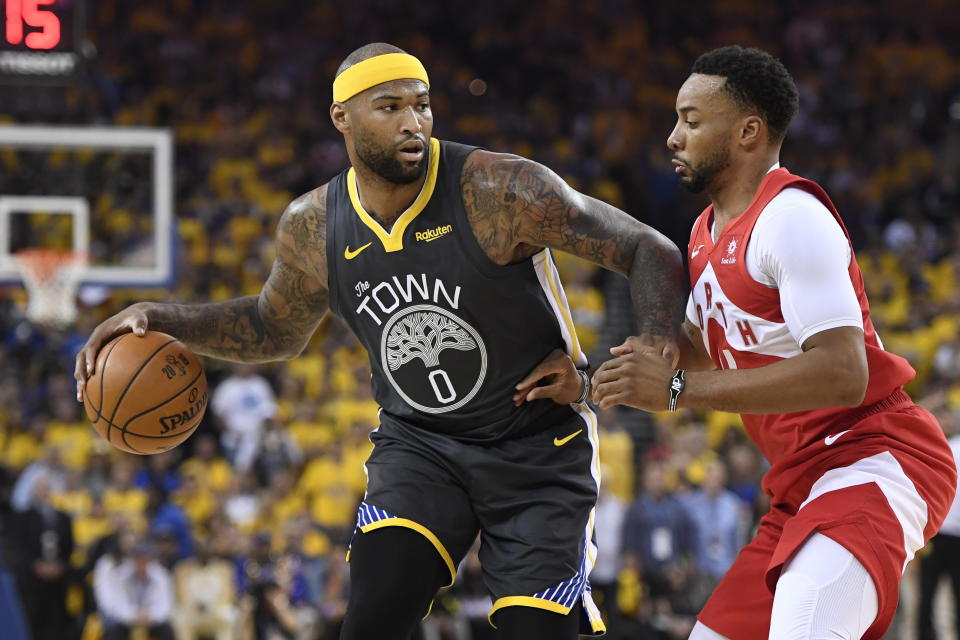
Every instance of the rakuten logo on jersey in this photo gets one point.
(432, 234)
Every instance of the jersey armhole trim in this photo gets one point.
(549, 279)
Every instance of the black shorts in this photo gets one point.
(531, 499)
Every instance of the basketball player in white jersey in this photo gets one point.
(778, 329)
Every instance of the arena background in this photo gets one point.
(251, 515)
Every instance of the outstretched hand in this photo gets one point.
(557, 371)
(132, 318)
(638, 376)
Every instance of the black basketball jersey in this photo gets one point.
(449, 332)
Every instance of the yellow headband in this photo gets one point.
(376, 70)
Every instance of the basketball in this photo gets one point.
(146, 395)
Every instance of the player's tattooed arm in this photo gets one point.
(516, 206)
(274, 325)
(277, 323)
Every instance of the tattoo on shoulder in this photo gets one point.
(516, 206)
(486, 206)
(295, 296)
(302, 232)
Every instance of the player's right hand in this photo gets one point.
(133, 318)
(637, 377)
(555, 378)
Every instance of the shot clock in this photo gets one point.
(41, 41)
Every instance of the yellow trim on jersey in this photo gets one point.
(596, 624)
(593, 435)
(422, 530)
(393, 240)
(526, 601)
(377, 70)
(562, 305)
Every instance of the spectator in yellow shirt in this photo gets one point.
(23, 444)
(196, 502)
(74, 438)
(210, 470)
(124, 498)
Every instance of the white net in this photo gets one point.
(106, 191)
(51, 278)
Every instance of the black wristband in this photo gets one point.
(585, 378)
(677, 384)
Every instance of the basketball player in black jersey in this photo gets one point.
(438, 257)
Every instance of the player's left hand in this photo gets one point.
(557, 371)
(663, 346)
(638, 377)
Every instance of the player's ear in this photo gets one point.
(340, 117)
(751, 130)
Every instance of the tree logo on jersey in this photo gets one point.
(425, 335)
(432, 358)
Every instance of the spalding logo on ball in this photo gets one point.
(147, 394)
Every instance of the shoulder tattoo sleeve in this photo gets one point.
(295, 296)
(512, 201)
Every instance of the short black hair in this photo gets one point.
(366, 52)
(754, 79)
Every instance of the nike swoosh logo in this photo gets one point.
(696, 250)
(350, 255)
(559, 442)
(829, 440)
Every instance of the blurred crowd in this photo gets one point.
(242, 531)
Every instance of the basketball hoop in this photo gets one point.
(51, 277)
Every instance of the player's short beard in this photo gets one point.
(702, 175)
(382, 160)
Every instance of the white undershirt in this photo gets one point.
(951, 524)
(797, 247)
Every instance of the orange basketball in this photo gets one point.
(147, 394)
